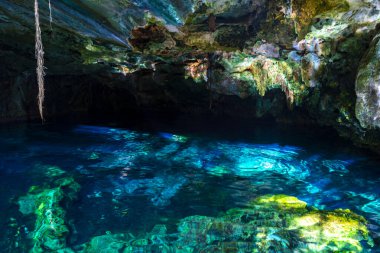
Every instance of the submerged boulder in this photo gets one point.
(50, 229)
(270, 223)
(278, 223)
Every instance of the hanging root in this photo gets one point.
(39, 51)
(50, 17)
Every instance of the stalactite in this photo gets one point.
(39, 51)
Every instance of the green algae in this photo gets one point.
(280, 202)
(270, 223)
(338, 230)
(50, 230)
(280, 222)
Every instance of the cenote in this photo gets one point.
(189, 126)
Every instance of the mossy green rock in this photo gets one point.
(270, 223)
(50, 230)
(107, 243)
(368, 87)
(280, 202)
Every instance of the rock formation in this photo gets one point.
(293, 60)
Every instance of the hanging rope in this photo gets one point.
(39, 52)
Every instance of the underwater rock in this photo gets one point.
(160, 189)
(154, 241)
(277, 223)
(107, 244)
(373, 208)
(280, 201)
(51, 172)
(270, 223)
(368, 87)
(242, 160)
(50, 230)
(336, 165)
(250, 160)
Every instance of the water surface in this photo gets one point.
(134, 178)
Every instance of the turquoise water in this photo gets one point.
(132, 179)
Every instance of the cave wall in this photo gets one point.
(298, 61)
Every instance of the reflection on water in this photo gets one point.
(136, 185)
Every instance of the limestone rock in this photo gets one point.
(270, 223)
(50, 230)
(368, 88)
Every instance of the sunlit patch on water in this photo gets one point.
(135, 182)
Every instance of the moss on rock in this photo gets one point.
(280, 201)
(270, 223)
(50, 230)
(305, 10)
(266, 73)
(368, 88)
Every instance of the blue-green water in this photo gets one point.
(132, 180)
